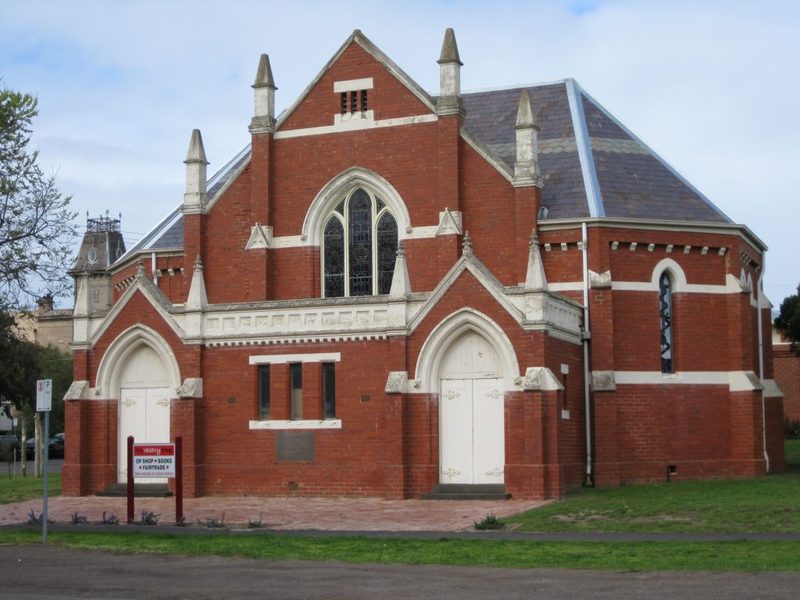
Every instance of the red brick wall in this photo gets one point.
(787, 376)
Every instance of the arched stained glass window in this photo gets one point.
(665, 310)
(359, 247)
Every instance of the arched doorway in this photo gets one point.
(472, 413)
(144, 404)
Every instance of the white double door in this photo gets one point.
(472, 438)
(144, 414)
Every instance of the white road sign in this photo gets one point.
(44, 395)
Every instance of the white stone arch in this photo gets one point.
(452, 327)
(676, 273)
(125, 346)
(338, 187)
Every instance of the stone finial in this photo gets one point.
(140, 269)
(466, 245)
(263, 120)
(264, 74)
(197, 299)
(401, 285)
(526, 164)
(449, 52)
(196, 153)
(194, 200)
(535, 280)
(449, 77)
(525, 118)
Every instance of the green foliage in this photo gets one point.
(19, 489)
(791, 429)
(766, 504)
(520, 554)
(489, 522)
(36, 225)
(788, 320)
(22, 363)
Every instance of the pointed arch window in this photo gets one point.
(359, 246)
(665, 310)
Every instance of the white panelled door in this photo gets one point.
(144, 414)
(472, 445)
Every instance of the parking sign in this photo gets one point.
(44, 395)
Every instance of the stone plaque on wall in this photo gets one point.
(294, 446)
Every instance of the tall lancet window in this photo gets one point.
(359, 245)
(665, 309)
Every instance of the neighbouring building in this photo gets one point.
(45, 325)
(787, 374)
(389, 293)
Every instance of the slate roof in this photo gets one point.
(591, 165)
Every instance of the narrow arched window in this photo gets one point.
(359, 246)
(665, 310)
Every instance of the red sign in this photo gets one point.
(154, 460)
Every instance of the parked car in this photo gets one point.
(8, 443)
(56, 447)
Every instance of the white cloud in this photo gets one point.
(709, 85)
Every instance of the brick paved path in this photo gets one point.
(333, 514)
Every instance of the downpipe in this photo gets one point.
(759, 319)
(585, 338)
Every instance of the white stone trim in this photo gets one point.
(737, 381)
(352, 85)
(298, 424)
(448, 330)
(260, 237)
(338, 187)
(771, 389)
(541, 379)
(96, 328)
(126, 344)
(288, 241)
(499, 166)
(282, 359)
(355, 123)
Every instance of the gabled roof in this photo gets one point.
(591, 164)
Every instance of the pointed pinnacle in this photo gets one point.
(449, 48)
(466, 245)
(525, 118)
(534, 240)
(198, 264)
(196, 151)
(264, 74)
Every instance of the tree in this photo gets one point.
(36, 225)
(788, 320)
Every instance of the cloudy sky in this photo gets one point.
(710, 85)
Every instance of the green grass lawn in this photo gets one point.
(767, 504)
(26, 488)
(640, 556)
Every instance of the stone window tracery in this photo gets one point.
(359, 245)
(665, 311)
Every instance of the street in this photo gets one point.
(36, 572)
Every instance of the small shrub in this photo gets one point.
(111, 519)
(256, 524)
(791, 429)
(213, 523)
(79, 519)
(33, 519)
(488, 522)
(149, 518)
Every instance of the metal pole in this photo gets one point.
(130, 479)
(46, 453)
(178, 480)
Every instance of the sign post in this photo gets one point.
(44, 403)
(157, 461)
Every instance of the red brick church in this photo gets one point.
(389, 293)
